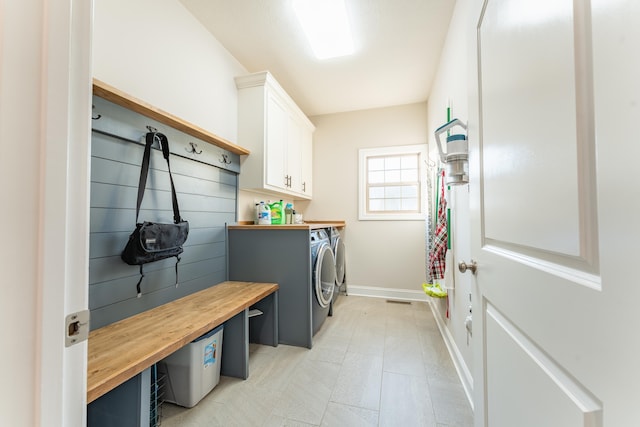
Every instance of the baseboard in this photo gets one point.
(388, 293)
(458, 361)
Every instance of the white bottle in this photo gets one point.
(265, 214)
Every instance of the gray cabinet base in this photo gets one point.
(281, 256)
(125, 406)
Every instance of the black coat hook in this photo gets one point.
(194, 148)
(225, 159)
(96, 117)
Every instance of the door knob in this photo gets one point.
(463, 267)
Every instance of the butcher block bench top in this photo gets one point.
(121, 350)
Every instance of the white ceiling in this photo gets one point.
(398, 45)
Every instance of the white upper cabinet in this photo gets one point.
(279, 136)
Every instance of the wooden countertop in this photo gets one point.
(121, 350)
(308, 225)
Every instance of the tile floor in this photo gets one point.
(374, 363)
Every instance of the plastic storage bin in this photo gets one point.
(194, 370)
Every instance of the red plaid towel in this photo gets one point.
(439, 250)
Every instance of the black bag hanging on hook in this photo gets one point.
(152, 241)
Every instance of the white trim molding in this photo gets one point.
(458, 361)
(363, 180)
(388, 293)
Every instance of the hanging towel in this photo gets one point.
(437, 258)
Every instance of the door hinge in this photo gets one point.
(76, 328)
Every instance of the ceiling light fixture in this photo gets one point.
(326, 25)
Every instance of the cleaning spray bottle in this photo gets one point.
(288, 214)
(256, 213)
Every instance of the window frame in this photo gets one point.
(400, 150)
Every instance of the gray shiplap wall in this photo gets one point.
(207, 196)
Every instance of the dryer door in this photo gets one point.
(338, 252)
(324, 275)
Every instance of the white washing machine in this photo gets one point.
(323, 277)
(339, 253)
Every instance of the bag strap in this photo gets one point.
(138, 287)
(144, 172)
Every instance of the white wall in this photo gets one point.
(450, 88)
(18, 103)
(388, 256)
(156, 51)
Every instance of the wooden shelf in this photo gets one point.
(116, 96)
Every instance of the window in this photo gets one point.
(392, 183)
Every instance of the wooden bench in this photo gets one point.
(124, 349)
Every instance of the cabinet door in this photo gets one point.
(306, 161)
(275, 144)
(294, 155)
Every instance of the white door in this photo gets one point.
(555, 202)
(45, 103)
